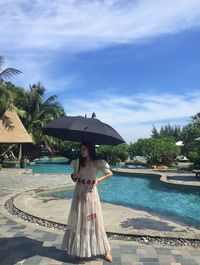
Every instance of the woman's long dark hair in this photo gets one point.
(91, 151)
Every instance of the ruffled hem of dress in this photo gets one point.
(85, 246)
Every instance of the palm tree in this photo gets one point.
(33, 110)
(38, 112)
(6, 99)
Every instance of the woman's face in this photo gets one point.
(84, 151)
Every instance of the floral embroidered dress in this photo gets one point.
(85, 235)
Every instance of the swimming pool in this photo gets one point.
(51, 168)
(144, 193)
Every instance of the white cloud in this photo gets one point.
(38, 70)
(132, 122)
(76, 25)
(34, 32)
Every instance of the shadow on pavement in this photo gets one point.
(146, 223)
(15, 249)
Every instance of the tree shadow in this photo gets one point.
(15, 249)
(146, 223)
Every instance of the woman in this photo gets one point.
(85, 235)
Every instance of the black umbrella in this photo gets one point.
(81, 129)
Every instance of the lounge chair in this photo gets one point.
(197, 172)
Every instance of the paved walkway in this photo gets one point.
(170, 176)
(29, 244)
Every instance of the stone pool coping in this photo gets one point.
(174, 177)
(14, 207)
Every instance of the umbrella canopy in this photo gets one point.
(81, 129)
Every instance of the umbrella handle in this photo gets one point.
(77, 167)
(84, 133)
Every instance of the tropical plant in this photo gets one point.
(37, 112)
(7, 72)
(156, 150)
(34, 111)
(6, 99)
(191, 148)
(113, 154)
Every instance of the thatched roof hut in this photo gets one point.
(15, 133)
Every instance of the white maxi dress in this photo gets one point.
(85, 235)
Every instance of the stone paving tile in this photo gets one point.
(166, 258)
(197, 259)
(149, 260)
(130, 257)
(141, 253)
(176, 251)
(151, 252)
(168, 263)
(17, 180)
(194, 252)
(162, 251)
(151, 263)
(127, 249)
(35, 260)
(191, 261)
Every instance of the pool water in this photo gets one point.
(51, 168)
(144, 193)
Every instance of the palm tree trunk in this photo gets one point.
(20, 153)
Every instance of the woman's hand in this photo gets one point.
(75, 176)
(96, 182)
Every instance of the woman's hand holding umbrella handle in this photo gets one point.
(75, 176)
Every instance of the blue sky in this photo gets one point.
(134, 63)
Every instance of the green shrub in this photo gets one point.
(158, 151)
(193, 156)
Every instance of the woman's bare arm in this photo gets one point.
(107, 175)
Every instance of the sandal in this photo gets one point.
(108, 257)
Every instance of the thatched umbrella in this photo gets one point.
(12, 131)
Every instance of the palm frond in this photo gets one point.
(21, 113)
(9, 72)
(51, 100)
